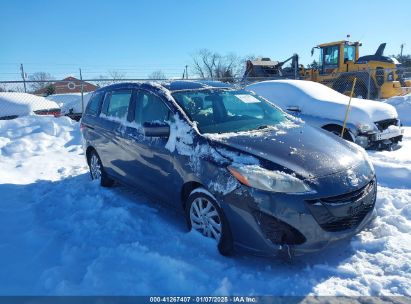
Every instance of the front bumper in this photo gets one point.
(294, 211)
(380, 139)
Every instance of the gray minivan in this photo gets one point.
(243, 172)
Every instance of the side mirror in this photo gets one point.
(156, 129)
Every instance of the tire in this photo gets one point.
(337, 131)
(360, 91)
(204, 215)
(97, 171)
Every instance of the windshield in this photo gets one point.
(223, 111)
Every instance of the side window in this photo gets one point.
(93, 106)
(331, 56)
(349, 53)
(150, 108)
(116, 103)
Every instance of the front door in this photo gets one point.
(153, 166)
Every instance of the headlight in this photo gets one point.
(263, 179)
(364, 128)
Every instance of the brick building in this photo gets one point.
(68, 85)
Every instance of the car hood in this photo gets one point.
(373, 111)
(362, 111)
(308, 151)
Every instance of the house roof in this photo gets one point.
(69, 84)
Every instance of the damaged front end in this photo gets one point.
(291, 224)
(384, 135)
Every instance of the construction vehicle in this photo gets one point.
(339, 63)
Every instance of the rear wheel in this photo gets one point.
(205, 216)
(97, 171)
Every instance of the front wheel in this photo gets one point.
(97, 171)
(205, 216)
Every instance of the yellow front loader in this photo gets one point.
(339, 63)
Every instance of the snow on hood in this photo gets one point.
(403, 106)
(70, 101)
(294, 149)
(318, 100)
(21, 104)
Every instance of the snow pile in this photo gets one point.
(318, 100)
(403, 106)
(37, 147)
(21, 104)
(63, 234)
(70, 102)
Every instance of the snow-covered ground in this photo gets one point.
(61, 233)
(403, 106)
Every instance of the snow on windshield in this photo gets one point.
(317, 90)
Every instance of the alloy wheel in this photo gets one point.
(205, 219)
(95, 167)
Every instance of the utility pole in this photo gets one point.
(186, 72)
(23, 76)
(82, 95)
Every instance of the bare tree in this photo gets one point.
(113, 77)
(42, 78)
(116, 75)
(159, 75)
(211, 65)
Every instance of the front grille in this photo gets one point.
(384, 124)
(349, 197)
(345, 211)
(277, 231)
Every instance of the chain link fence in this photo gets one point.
(70, 96)
(375, 84)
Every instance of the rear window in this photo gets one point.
(93, 106)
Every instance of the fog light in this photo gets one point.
(362, 141)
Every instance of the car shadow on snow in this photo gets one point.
(76, 232)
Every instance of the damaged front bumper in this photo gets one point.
(269, 224)
(380, 139)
